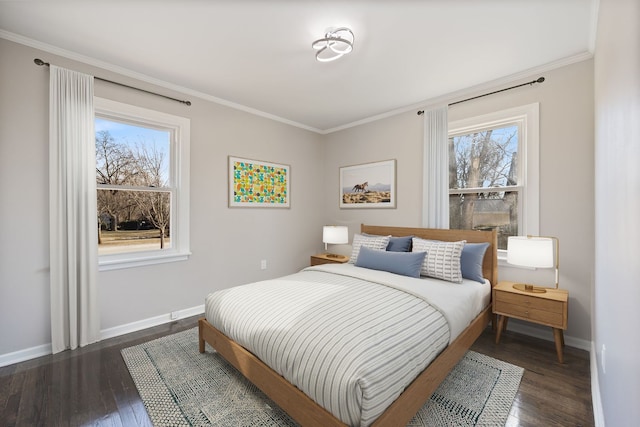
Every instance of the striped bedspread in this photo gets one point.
(350, 344)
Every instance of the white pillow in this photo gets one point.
(442, 260)
(378, 243)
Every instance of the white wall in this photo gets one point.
(227, 244)
(566, 175)
(617, 291)
(398, 137)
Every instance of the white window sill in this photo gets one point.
(107, 263)
(502, 257)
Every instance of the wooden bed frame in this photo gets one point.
(308, 413)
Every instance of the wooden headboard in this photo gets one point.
(490, 262)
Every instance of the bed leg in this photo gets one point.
(201, 343)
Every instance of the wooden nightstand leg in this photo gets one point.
(559, 338)
(501, 324)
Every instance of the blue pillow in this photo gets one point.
(396, 244)
(471, 261)
(399, 244)
(405, 263)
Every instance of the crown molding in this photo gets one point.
(425, 104)
(148, 79)
(470, 91)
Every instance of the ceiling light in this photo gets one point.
(335, 43)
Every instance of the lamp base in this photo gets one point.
(529, 288)
(335, 256)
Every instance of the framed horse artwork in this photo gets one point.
(368, 185)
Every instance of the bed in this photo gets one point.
(277, 381)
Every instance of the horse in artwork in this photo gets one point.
(360, 187)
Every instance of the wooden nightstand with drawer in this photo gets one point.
(549, 308)
(328, 259)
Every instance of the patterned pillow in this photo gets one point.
(442, 260)
(372, 242)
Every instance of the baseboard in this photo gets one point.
(116, 331)
(45, 349)
(598, 414)
(26, 354)
(547, 334)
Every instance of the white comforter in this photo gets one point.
(352, 339)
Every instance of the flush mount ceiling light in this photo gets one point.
(335, 43)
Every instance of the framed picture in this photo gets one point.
(257, 184)
(370, 185)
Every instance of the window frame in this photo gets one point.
(527, 118)
(179, 130)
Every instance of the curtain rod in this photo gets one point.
(39, 61)
(538, 80)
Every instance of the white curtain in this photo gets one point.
(75, 319)
(435, 179)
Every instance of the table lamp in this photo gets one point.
(533, 252)
(335, 235)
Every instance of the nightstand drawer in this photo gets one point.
(527, 301)
(320, 261)
(547, 308)
(550, 318)
(328, 259)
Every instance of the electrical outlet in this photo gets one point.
(263, 264)
(174, 315)
(603, 359)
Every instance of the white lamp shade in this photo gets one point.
(533, 252)
(335, 234)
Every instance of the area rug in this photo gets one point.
(182, 387)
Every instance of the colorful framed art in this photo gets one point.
(369, 185)
(254, 183)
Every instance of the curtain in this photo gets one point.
(73, 237)
(435, 182)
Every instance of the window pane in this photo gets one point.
(133, 221)
(486, 211)
(484, 159)
(131, 155)
(142, 176)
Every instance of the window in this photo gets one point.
(493, 173)
(142, 177)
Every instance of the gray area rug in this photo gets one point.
(182, 387)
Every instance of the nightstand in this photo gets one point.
(326, 259)
(549, 309)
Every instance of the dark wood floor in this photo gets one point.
(92, 387)
(550, 393)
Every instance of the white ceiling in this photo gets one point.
(257, 55)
